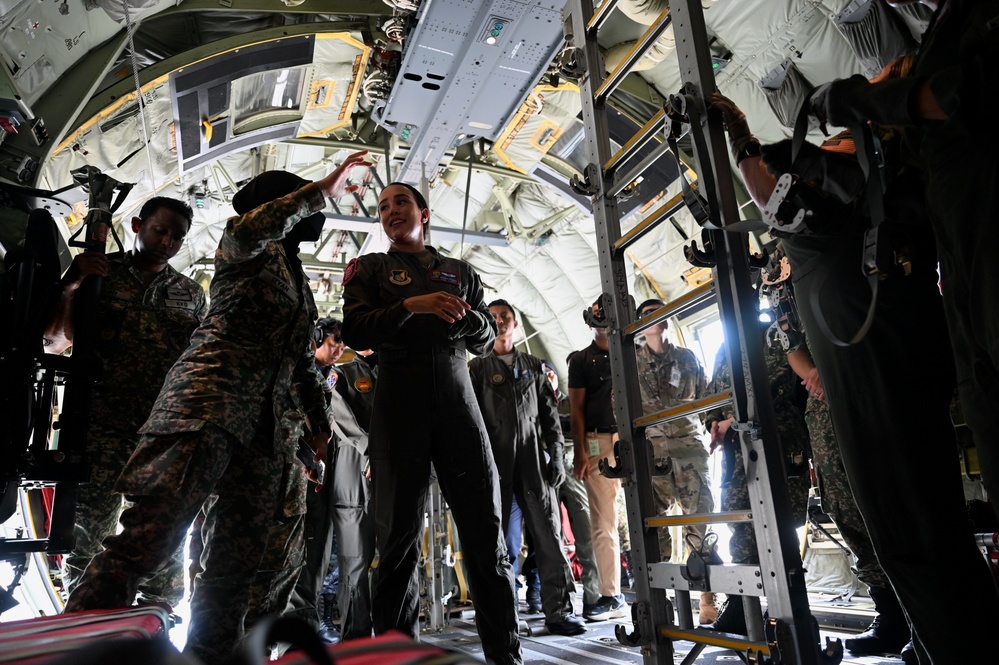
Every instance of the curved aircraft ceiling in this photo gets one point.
(235, 87)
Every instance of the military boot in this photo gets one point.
(707, 611)
(328, 631)
(731, 619)
(889, 631)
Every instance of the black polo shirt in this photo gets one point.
(590, 369)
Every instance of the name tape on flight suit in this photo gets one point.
(438, 275)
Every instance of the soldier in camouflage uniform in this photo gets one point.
(793, 436)
(228, 420)
(146, 314)
(669, 376)
(306, 601)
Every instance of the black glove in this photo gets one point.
(556, 467)
(851, 101)
(469, 324)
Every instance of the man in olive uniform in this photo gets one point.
(228, 420)
(354, 391)
(521, 416)
(793, 435)
(669, 375)
(146, 314)
(941, 106)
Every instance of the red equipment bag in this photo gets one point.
(388, 649)
(44, 638)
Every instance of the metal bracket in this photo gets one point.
(589, 184)
(640, 616)
(616, 471)
(701, 259)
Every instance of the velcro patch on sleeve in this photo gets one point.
(349, 272)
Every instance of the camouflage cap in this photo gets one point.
(268, 186)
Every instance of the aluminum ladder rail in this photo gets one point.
(791, 635)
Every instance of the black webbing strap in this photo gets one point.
(868, 155)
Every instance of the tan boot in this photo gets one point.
(707, 612)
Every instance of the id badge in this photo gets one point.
(594, 447)
(674, 377)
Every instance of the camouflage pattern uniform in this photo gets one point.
(837, 497)
(792, 432)
(142, 330)
(227, 421)
(666, 380)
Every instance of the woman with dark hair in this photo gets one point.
(422, 312)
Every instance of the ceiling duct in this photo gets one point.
(466, 69)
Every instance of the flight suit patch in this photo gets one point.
(363, 385)
(438, 275)
(497, 379)
(331, 380)
(400, 277)
(349, 272)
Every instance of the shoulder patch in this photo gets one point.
(349, 272)
(332, 379)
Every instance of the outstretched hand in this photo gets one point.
(335, 183)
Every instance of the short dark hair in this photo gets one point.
(327, 327)
(150, 207)
(499, 302)
(650, 301)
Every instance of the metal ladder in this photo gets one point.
(790, 634)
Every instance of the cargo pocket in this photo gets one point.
(171, 458)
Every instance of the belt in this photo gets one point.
(457, 351)
(604, 430)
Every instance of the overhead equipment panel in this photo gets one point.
(467, 67)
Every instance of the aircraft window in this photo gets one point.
(708, 337)
(267, 98)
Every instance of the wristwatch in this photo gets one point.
(751, 149)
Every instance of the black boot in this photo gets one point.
(731, 619)
(327, 629)
(888, 633)
(909, 656)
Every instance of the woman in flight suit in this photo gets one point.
(421, 312)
